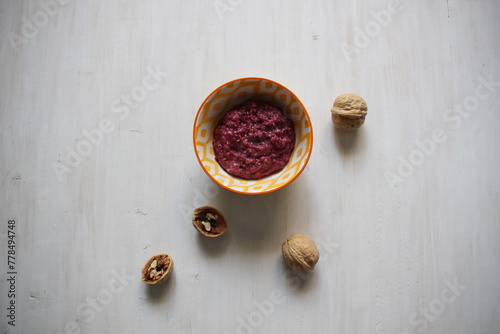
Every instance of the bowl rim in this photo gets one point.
(266, 191)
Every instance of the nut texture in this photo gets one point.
(300, 252)
(349, 111)
(158, 269)
(209, 221)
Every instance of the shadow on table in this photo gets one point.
(295, 281)
(158, 292)
(347, 141)
(213, 247)
(257, 223)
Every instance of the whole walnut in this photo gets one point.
(300, 252)
(349, 111)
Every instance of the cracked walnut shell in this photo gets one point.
(349, 111)
(158, 269)
(300, 252)
(209, 221)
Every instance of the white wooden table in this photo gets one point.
(98, 172)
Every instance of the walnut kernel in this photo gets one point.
(209, 221)
(158, 269)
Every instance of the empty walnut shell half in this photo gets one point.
(158, 269)
(300, 252)
(209, 221)
(349, 111)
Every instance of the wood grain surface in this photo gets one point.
(98, 172)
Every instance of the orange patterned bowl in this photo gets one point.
(233, 93)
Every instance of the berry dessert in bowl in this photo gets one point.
(252, 136)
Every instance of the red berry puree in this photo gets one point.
(253, 140)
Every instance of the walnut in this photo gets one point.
(158, 269)
(300, 252)
(349, 111)
(209, 221)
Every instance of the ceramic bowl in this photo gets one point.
(233, 93)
